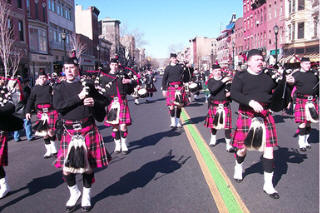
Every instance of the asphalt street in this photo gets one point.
(161, 173)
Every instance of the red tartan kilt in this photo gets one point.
(171, 95)
(299, 110)
(212, 112)
(53, 117)
(97, 152)
(125, 116)
(3, 149)
(243, 125)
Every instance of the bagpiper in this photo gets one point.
(117, 85)
(173, 90)
(41, 99)
(8, 123)
(306, 82)
(219, 110)
(82, 148)
(252, 89)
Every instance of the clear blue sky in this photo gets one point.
(168, 24)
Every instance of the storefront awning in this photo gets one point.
(314, 57)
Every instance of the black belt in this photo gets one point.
(78, 125)
(309, 97)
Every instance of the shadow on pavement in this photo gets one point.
(151, 140)
(51, 181)
(142, 176)
(282, 157)
(195, 120)
(314, 136)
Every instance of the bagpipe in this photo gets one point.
(281, 94)
(9, 96)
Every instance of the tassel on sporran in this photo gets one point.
(256, 138)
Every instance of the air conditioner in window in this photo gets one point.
(257, 22)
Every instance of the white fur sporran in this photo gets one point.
(221, 116)
(135, 92)
(113, 114)
(44, 121)
(178, 99)
(256, 138)
(311, 112)
(76, 160)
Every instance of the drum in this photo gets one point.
(142, 93)
(193, 87)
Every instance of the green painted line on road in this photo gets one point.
(224, 189)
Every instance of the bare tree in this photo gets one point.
(139, 38)
(9, 53)
(77, 46)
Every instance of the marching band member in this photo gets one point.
(187, 77)
(252, 89)
(219, 113)
(306, 107)
(150, 87)
(8, 123)
(118, 85)
(81, 148)
(41, 98)
(173, 90)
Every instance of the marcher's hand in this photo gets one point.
(88, 102)
(83, 93)
(228, 94)
(290, 79)
(126, 81)
(255, 106)
(226, 79)
(28, 116)
(164, 93)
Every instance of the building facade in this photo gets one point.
(61, 27)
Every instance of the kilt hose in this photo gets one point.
(171, 91)
(213, 106)
(52, 114)
(124, 115)
(243, 124)
(299, 110)
(3, 148)
(98, 155)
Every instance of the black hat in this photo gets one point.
(216, 66)
(305, 59)
(114, 60)
(173, 55)
(253, 52)
(42, 72)
(71, 60)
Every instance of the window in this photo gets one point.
(20, 28)
(58, 8)
(315, 22)
(19, 4)
(301, 30)
(290, 34)
(275, 12)
(38, 40)
(53, 6)
(300, 4)
(44, 14)
(293, 31)
(293, 6)
(28, 7)
(36, 9)
(49, 4)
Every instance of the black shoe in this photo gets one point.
(308, 146)
(232, 150)
(70, 208)
(86, 208)
(274, 195)
(303, 149)
(238, 180)
(125, 152)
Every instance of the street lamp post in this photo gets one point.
(276, 30)
(233, 55)
(63, 37)
(98, 49)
